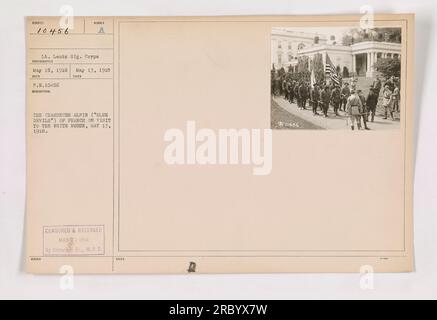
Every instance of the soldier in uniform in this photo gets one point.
(353, 108)
(315, 98)
(308, 86)
(283, 87)
(310, 95)
(364, 113)
(277, 85)
(345, 93)
(325, 99)
(371, 103)
(336, 99)
(296, 94)
(287, 89)
(377, 86)
(291, 93)
(272, 82)
(303, 94)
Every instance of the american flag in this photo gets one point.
(331, 71)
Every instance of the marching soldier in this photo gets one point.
(277, 85)
(287, 90)
(296, 94)
(303, 95)
(310, 95)
(308, 86)
(315, 98)
(363, 109)
(353, 108)
(272, 82)
(291, 93)
(345, 93)
(336, 99)
(325, 99)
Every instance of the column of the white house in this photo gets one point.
(354, 68)
(368, 61)
(374, 61)
(368, 65)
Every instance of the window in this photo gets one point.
(279, 59)
(279, 44)
(290, 57)
(289, 45)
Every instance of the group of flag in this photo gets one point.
(330, 72)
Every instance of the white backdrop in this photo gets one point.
(14, 283)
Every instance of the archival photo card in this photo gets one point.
(172, 144)
(336, 78)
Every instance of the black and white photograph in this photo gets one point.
(143, 155)
(336, 78)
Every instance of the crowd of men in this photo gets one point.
(346, 97)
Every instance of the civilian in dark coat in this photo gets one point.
(372, 102)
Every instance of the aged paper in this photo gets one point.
(219, 144)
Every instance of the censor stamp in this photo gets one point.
(84, 240)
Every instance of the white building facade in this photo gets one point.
(359, 59)
(285, 45)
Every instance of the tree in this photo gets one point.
(347, 40)
(389, 35)
(345, 72)
(302, 69)
(302, 64)
(388, 67)
(319, 68)
(378, 34)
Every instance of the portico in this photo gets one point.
(359, 58)
(366, 54)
